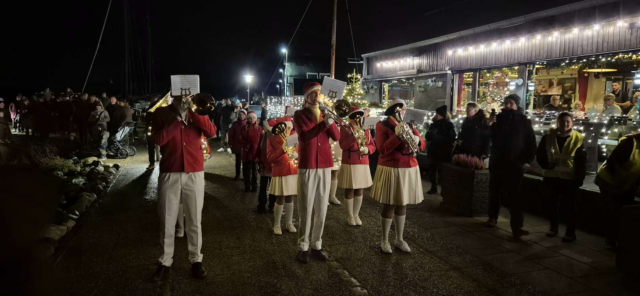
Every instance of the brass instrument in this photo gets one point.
(343, 108)
(407, 133)
(162, 103)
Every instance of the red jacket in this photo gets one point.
(393, 153)
(250, 142)
(235, 136)
(180, 145)
(313, 138)
(281, 165)
(350, 153)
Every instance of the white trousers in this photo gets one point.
(313, 194)
(174, 188)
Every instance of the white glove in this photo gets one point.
(366, 150)
(294, 155)
(416, 139)
(328, 120)
(398, 130)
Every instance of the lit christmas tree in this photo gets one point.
(354, 93)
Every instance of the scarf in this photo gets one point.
(315, 109)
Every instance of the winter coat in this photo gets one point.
(475, 136)
(235, 136)
(250, 141)
(350, 152)
(513, 142)
(440, 138)
(281, 165)
(393, 153)
(313, 137)
(225, 116)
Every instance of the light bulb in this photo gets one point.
(596, 27)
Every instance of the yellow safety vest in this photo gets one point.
(628, 175)
(563, 159)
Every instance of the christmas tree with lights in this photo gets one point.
(354, 93)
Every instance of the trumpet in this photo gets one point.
(407, 133)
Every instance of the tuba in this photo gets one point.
(407, 133)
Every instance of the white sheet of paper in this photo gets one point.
(290, 111)
(330, 85)
(370, 122)
(292, 140)
(185, 81)
(416, 115)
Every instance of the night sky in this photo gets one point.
(51, 43)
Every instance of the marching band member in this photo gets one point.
(235, 138)
(314, 171)
(354, 173)
(284, 183)
(264, 168)
(336, 152)
(178, 130)
(397, 182)
(250, 143)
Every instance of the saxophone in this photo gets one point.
(407, 133)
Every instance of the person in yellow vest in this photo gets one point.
(562, 155)
(619, 180)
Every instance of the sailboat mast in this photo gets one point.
(333, 39)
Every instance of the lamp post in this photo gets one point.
(248, 79)
(284, 88)
(284, 75)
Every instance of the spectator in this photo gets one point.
(578, 110)
(66, 110)
(71, 146)
(621, 97)
(475, 134)
(115, 116)
(27, 117)
(217, 115)
(98, 116)
(43, 119)
(440, 138)
(235, 140)
(226, 113)
(83, 111)
(126, 112)
(635, 107)
(610, 108)
(94, 101)
(619, 179)
(245, 106)
(554, 106)
(265, 113)
(104, 99)
(102, 139)
(5, 123)
(562, 155)
(513, 147)
(13, 110)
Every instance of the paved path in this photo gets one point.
(116, 247)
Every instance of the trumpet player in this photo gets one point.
(177, 129)
(284, 182)
(314, 171)
(354, 173)
(397, 181)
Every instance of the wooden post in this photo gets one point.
(333, 39)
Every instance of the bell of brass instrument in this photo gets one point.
(407, 134)
(361, 137)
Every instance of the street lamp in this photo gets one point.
(278, 86)
(284, 74)
(280, 81)
(248, 79)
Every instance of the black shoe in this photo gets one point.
(261, 210)
(517, 233)
(163, 273)
(433, 190)
(303, 257)
(319, 255)
(569, 238)
(553, 231)
(197, 271)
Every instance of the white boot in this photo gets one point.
(277, 215)
(384, 244)
(357, 203)
(221, 149)
(400, 243)
(332, 193)
(288, 209)
(350, 219)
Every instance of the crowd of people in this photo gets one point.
(82, 119)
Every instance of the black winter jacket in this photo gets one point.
(440, 138)
(475, 136)
(513, 142)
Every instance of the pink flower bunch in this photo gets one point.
(469, 162)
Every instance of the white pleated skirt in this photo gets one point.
(397, 186)
(284, 186)
(354, 176)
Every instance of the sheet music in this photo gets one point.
(290, 111)
(292, 140)
(333, 88)
(370, 122)
(415, 115)
(185, 81)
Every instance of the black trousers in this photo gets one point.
(250, 174)
(151, 149)
(561, 193)
(262, 194)
(505, 188)
(238, 164)
(435, 170)
(614, 202)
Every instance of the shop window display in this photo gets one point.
(462, 90)
(493, 87)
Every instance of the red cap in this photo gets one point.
(271, 122)
(311, 86)
(283, 119)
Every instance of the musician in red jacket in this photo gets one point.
(178, 131)
(264, 168)
(250, 141)
(354, 173)
(284, 183)
(314, 171)
(235, 138)
(397, 182)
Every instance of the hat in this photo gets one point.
(1, 100)
(268, 124)
(355, 111)
(251, 114)
(442, 110)
(515, 98)
(243, 111)
(311, 86)
(396, 103)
